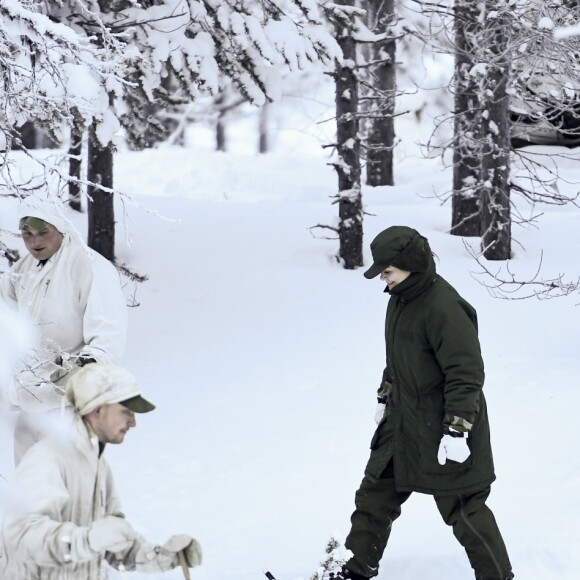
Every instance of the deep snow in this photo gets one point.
(263, 356)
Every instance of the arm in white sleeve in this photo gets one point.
(105, 317)
(33, 521)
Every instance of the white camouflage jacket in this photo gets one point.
(60, 487)
(76, 305)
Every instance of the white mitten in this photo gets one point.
(454, 448)
(190, 547)
(111, 534)
(163, 558)
(151, 558)
(380, 412)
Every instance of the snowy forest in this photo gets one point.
(234, 159)
(139, 73)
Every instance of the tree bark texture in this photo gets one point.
(495, 186)
(348, 167)
(465, 207)
(381, 94)
(74, 166)
(101, 214)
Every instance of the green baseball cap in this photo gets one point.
(33, 223)
(138, 404)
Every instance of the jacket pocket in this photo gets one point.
(428, 444)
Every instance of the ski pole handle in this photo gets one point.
(184, 566)
(269, 575)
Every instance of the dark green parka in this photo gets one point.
(434, 372)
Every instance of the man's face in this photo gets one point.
(393, 276)
(43, 242)
(110, 423)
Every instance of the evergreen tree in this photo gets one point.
(110, 61)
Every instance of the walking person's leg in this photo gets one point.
(475, 527)
(378, 505)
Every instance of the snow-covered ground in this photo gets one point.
(263, 356)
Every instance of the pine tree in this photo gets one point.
(124, 51)
(495, 159)
(465, 212)
(347, 164)
(380, 92)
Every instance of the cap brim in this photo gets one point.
(138, 404)
(374, 271)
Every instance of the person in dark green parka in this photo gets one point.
(433, 431)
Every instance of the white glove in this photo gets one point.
(454, 448)
(151, 558)
(111, 534)
(192, 551)
(380, 412)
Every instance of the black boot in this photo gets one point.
(346, 574)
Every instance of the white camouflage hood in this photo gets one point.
(51, 211)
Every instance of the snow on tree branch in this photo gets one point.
(72, 63)
(112, 57)
(565, 32)
(52, 73)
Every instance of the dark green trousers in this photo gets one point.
(378, 505)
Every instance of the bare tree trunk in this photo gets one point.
(220, 133)
(465, 213)
(220, 129)
(264, 141)
(101, 214)
(74, 166)
(382, 78)
(350, 232)
(495, 192)
(29, 136)
(33, 137)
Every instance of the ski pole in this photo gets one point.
(269, 575)
(184, 566)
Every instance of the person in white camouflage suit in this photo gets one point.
(73, 300)
(63, 517)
